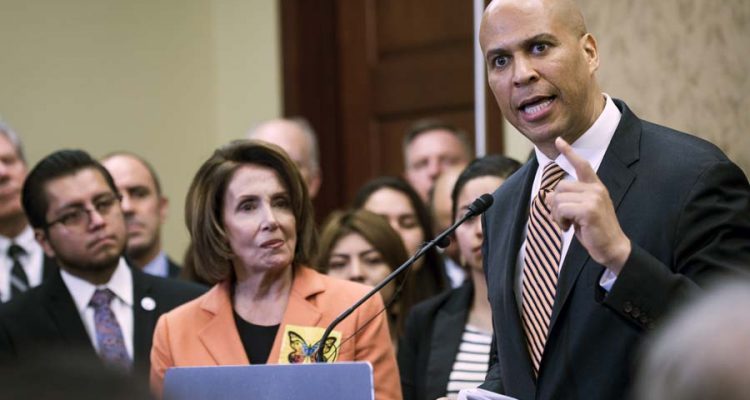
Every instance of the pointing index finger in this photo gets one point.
(583, 168)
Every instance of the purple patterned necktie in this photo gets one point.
(108, 333)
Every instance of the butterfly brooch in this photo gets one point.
(304, 353)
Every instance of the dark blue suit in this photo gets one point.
(685, 208)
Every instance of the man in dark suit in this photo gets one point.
(96, 302)
(588, 246)
(22, 261)
(145, 209)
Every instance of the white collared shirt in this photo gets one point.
(591, 146)
(121, 284)
(32, 261)
(159, 266)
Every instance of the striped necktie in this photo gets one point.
(19, 282)
(540, 267)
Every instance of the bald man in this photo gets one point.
(298, 139)
(145, 209)
(612, 223)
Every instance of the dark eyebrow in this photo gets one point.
(525, 44)
(542, 37)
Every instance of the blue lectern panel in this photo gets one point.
(345, 380)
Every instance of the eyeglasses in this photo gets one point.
(78, 217)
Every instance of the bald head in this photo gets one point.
(567, 12)
(541, 65)
(297, 138)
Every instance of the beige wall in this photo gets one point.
(168, 79)
(680, 63)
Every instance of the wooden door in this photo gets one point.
(363, 70)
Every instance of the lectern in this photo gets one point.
(343, 380)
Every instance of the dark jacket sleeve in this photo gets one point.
(711, 242)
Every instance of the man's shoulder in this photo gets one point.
(25, 302)
(169, 289)
(29, 308)
(659, 142)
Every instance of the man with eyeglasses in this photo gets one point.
(22, 261)
(96, 302)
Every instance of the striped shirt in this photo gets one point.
(472, 361)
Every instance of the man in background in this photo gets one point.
(145, 209)
(431, 146)
(95, 302)
(297, 138)
(702, 352)
(22, 261)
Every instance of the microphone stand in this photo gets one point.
(475, 209)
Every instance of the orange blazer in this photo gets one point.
(203, 331)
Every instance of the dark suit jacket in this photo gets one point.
(46, 318)
(685, 208)
(174, 269)
(431, 339)
(49, 268)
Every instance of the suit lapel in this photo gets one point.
(301, 309)
(49, 268)
(144, 321)
(63, 312)
(220, 335)
(616, 175)
(513, 326)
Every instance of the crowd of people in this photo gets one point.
(612, 226)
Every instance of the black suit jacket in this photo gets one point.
(431, 339)
(174, 269)
(46, 318)
(685, 208)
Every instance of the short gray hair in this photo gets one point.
(304, 125)
(421, 126)
(702, 352)
(14, 139)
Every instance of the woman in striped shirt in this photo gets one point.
(446, 344)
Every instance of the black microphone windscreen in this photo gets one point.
(481, 204)
(444, 242)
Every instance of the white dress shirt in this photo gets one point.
(591, 146)
(159, 266)
(32, 262)
(121, 284)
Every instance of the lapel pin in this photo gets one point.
(148, 304)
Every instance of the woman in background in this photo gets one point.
(253, 235)
(446, 344)
(395, 200)
(360, 246)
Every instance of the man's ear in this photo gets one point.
(314, 185)
(163, 208)
(42, 238)
(589, 46)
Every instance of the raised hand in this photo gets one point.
(585, 204)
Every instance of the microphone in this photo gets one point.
(477, 207)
